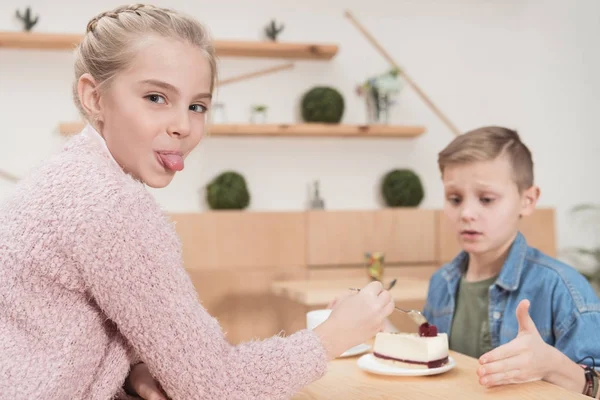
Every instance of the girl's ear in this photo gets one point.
(89, 97)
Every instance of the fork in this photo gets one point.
(415, 315)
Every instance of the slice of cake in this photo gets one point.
(428, 349)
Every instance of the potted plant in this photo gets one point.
(258, 114)
(228, 191)
(578, 256)
(379, 92)
(402, 188)
(322, 104)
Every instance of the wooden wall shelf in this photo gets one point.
(297, 130)
(225, 48)
(316, 129)
(70, 128)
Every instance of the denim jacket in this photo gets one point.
(564, 307)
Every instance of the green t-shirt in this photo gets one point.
(470, 333)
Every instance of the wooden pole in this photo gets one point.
(8, 176)
(255, 74)
(408, 79)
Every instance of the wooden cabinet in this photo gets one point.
(232, 258)
(237, 240)
(406, 236)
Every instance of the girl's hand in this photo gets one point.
(142, 382)
(356, 318)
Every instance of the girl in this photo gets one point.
(91, 274)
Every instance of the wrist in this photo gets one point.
(563, 372)
(329, 339)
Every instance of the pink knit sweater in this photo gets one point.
(91, 280)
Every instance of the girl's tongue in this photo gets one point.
(174, 162)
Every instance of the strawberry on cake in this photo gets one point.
(428, 349)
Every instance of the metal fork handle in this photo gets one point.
(392, 284)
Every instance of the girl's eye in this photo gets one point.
(156, 98)
(454, 200)
(486, 200)
(198, 108)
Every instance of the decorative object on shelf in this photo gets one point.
(375, 267)
(586, 258)
(8, 176)
(323, 104)
(26, 19)
(258, 114)
(228, 191)
(379, 92)
(217, 114)
(402, 188)
(403, 73)
(316, 202)
(271, 30)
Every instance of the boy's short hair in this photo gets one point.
(487, 144)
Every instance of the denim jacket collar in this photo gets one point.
(510, 275)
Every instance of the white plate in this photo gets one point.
(369, 363)
(361, 348)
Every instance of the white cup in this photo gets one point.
(316, 317)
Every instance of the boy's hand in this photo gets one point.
(524, 359)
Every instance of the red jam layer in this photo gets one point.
(430, 364)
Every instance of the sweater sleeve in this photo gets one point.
(130, 260)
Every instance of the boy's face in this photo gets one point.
(483, 204)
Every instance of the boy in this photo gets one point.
(482, 297)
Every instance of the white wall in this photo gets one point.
(530, 64)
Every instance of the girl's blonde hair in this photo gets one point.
(113, 37)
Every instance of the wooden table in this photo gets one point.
(321, 292)
(344, 380)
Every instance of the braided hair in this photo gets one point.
(115, 14)
(112, 39)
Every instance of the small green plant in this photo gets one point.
(379, 92)
(259, 108)
(228, 191)
(27, 19)
(322, 104)
(402, 188)
(271, 30)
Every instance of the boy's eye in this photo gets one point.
(486, 200)
(198, 108)
(156, 98)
